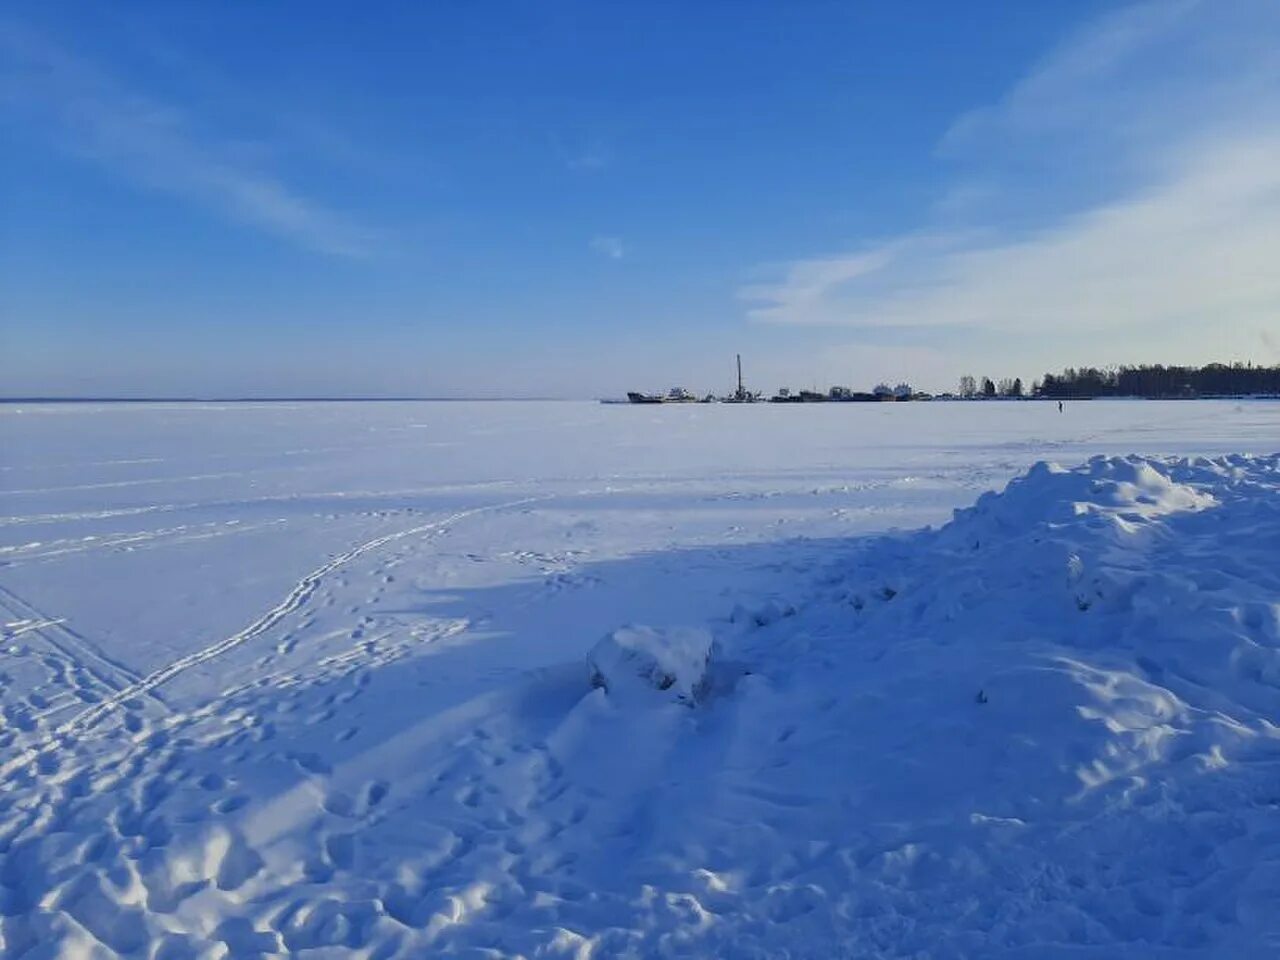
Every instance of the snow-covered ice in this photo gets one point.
(317, 679)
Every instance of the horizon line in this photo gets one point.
(298, 399)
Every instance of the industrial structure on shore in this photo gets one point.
(882, 393)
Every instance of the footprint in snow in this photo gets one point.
(311, 763)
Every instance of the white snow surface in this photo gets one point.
(674, 661)
(313, 680)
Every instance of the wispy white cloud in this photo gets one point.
(611, 247)
(1095, 74)
(1204, 243)
(592, 159)
(583, 157)
(157, 145)
(1146, 154)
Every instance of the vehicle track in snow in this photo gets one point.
(134, 540)
(111, 484)
(336, 496)
(296, 598)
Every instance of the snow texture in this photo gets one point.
(313, 680)
(674, 661)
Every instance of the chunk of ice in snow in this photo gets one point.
(674, 660)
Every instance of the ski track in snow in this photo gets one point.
(54, 631)
(49, 669)
(297, 597)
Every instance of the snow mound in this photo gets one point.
(1123, 487)
(674, 661)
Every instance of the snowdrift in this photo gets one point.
(1049, 728)
(672, 661)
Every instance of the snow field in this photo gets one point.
(1046, 728)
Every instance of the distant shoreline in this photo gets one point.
(605, 400)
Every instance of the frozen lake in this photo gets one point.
(153, 529)
(319, 670)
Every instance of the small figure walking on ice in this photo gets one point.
(1059, 406)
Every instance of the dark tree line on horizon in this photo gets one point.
(1156, 380)
(1145, 380)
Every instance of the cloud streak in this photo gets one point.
(1204, 243)
(156, 145)
(1176, 216)
(611, 247)
(589, 157)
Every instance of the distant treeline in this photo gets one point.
(1151, 381)
(1214, 379)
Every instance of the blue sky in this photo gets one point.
(580, 198)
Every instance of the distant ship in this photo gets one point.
(741, 395)
(680, 395)
(674, 395)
